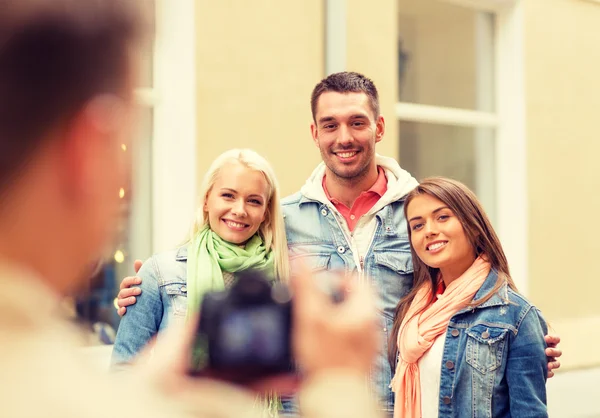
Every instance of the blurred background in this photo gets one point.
(500, 94)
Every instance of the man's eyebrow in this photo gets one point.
(326, 119)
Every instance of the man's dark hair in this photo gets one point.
(56, 55)
(346, 82)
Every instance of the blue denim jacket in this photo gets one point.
(494, 363)
(319, 239)
(163, 299)
(316, 239)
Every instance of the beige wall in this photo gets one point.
(257, 64)
(562, 61)
(371, 50)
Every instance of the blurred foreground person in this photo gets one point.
(66, 107)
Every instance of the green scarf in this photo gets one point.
(209, 255)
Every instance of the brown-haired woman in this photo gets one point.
(469, 344)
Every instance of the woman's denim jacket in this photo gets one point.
(163, 299)
(494, 363)
(316, 240)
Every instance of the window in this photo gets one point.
(461, 106)
(446, 64)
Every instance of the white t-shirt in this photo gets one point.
(430, 368)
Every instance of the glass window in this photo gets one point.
(445, 55)
(462, 153)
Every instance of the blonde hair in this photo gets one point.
(272, 229)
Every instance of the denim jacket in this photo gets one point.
(163, 299)
(319, 238)
(494, 363)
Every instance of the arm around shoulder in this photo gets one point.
(527, 367)
(143, 319)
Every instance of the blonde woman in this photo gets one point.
(238, 226)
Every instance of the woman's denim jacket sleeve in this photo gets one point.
(494, 361)
(163, 298)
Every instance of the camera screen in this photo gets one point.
(253, 335)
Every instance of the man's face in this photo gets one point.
(346, 131)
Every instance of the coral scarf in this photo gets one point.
(420, 328)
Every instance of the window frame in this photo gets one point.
(174, 145)
(508, 121)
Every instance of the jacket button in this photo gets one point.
(341, 249)
(324, 212)
(485, 335)
(455, 333)
(449, 365)
(183, 289)
(447, 400)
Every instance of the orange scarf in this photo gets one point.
(419, 331)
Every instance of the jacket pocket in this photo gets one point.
(397, 261)
(392, 274)
(485, 347)
(177, 294)
(314, 262)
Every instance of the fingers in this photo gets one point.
(552, 340)
(121, 311)
(137, 265)
(284, 384)
(308, 297)
(553, 352)
(553, 365)
(128, 292)
(123, 303)
(172, 351)
(130, 281)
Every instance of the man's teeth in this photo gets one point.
(436, 246)
(346, 154)
(235, 224)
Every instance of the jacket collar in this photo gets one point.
(182, 253)
(499, 298)
(400, 182)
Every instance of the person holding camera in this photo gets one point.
(67, 105)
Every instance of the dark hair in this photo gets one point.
(479, 231)
(346, 82)
(54, 57)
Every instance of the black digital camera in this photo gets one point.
(244, 333)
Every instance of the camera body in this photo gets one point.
(244, 332)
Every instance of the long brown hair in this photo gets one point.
(479, 231)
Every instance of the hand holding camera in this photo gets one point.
(329, 334)
(255, 331)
